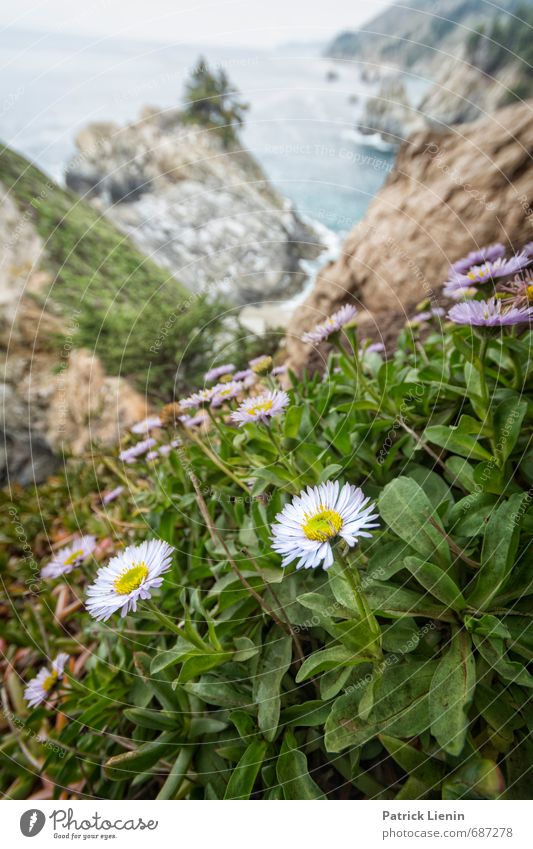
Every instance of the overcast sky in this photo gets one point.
(225, 22)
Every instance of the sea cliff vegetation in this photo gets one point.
(399, 671)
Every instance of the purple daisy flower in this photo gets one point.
(528, 249)
(242, 375)
(488, 271)
(435, 312)
(374, 348)
(194, 421)
(261, 408)
(215, 373)
(489, 314)
(108, 497)
(131, 454)
(335, 322)
(486, 254)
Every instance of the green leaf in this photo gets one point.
(428, 771)
(507, 421)
(291, 424)
(292, 773)
(407, 510)
(128, 764)
(451, 692)
(392, 601)
(493, 651)
(245, 773)
(335, 657)
(436, 582)
(453, 440)
(274, 661)
(194, 666)
(499, 548)
(306, 715)
(159, 720)
(400, 707)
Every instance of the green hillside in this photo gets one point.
(134, 315)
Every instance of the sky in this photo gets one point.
(258, 23)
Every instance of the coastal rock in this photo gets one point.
(205, 213)
(390, 114)
(448, 193)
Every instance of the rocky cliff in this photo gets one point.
(204, 212)
(448, 194)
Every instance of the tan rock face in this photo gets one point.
(447, 195)
(52, 401)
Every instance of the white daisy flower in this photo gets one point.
(315, 517)
(197, 399)
(261, 408)
(39, 688)
(226, 391)
(67, 558)
(335, 322)
(128, 577)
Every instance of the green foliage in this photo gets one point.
(276, 684)
(212, 101)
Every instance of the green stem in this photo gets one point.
(483, 348)
(165, 620)
(177, 774)
(363, 608)
(214, 459)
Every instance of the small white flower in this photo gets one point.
(67, 558)
(315, 517)
(261, 408)
(331, 325)
(128, 577)
(38, 689)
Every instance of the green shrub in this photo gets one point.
(401, 672)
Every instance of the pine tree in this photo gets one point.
(212, 101)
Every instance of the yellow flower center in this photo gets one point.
(479, 273)
(131, 579)
(49, 682)
(226, 378)
(263, 407)
(530, 293)
(72, 558)
(264, 364)
(322, 526)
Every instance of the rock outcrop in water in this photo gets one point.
(448, 194)
(205, 213)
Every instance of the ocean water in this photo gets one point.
(300, 125)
